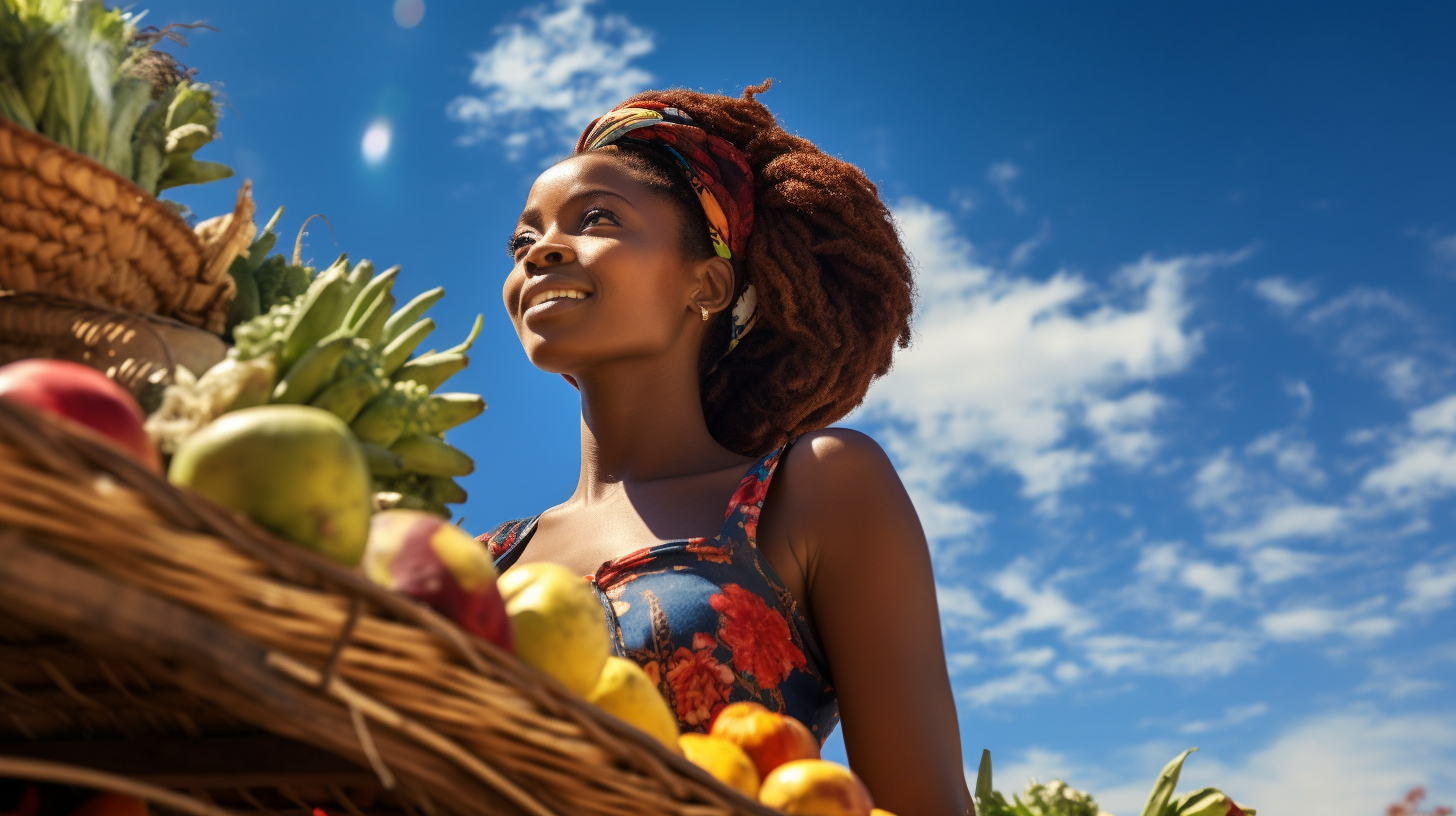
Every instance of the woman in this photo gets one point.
(720, 291)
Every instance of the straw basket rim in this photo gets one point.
(448, 713)
(61, 186)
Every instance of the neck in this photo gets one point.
(643, 422)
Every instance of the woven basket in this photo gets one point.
(71, 227)
(151, 639)
(140, 351)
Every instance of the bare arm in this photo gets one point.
(871, 595)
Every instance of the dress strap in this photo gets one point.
(506, 542)
(747, 502)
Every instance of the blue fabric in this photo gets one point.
(708, 619)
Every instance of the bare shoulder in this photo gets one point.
(839, 458)
(839, 480)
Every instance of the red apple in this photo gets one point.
(425, 557)
(84, 395)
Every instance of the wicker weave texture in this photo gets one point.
(140, 351)
(71, 227)
(109, 556)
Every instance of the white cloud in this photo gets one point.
(1292, 456)
(1299, 389)
(958, 606)
(1430, 587)
(1032, 658)
(1271, 565)
(1159, 561)
(1001, 175)
(1012, 371)
(1316, 622)
(1179, 657)
(1233, 715)
(1214, 582)
(1286, 520)
(1122, 426)
(1284, 295)
(1218, 484)
(1021, 687)
(545, 77)
(1422, 465)
(1384, 337)
(1043, 607)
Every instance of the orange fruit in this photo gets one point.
(769, 739)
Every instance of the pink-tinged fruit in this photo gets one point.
(815, 787)
(84, 395)
(423, 556)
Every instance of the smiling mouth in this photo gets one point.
(555, 295)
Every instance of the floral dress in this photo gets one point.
(708, 619)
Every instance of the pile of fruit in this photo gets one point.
(330, 340)
(302, 472)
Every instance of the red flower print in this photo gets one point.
(758, 636)
(749, 501)
(715, 553)
(699, 683)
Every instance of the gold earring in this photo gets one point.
(704, 310)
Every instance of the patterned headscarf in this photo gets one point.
(716, 170)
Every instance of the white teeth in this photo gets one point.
(542, 297)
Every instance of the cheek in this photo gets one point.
(511, 290)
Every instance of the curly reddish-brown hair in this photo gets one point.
(835, 291)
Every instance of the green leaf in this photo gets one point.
(1166, 784)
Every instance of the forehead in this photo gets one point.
(582, 174)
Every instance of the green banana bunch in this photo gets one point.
(340, 345)
(85, 77)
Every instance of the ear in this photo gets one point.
(713, 284)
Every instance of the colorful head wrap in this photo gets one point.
(716, 170)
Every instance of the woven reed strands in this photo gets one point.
(71, 227)
(108, 564)
(140, 351)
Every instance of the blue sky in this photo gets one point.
(1180, 418)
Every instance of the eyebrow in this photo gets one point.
(594, 191)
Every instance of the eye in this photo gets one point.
(598, 215)
(518, 242)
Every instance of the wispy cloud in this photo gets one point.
(1003, 175)
(1010, 371)
(1422, 465)
(1021, 687)
(1430, 587)
(1233, 715)
(1316, 622)
(549, 74)
(1443, 254)
(1043, 606)
(1285, 295)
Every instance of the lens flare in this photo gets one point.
(409, 13)
(375, 145)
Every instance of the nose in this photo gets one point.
(547, 252)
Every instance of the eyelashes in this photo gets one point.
(592, 216)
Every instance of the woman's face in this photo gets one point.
(599, 269)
